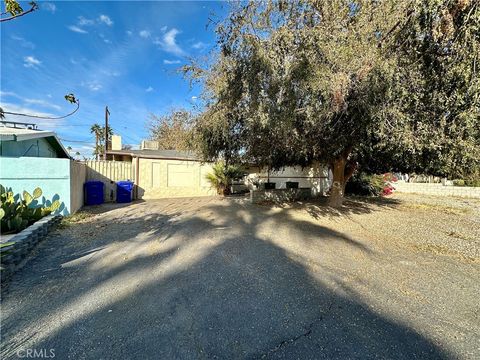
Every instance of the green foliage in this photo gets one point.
(467, 182)
(472, 182)
(99, 132)
(365, 185)
(390, 84)
(222, 176)
(71, 98)
(16, 213)
(13, 7)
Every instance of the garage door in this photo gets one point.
(181, 175)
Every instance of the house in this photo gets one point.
(31, 158)
(171, 173)
(25, 140)
(163, 173)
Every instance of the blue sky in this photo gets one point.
(123, 54)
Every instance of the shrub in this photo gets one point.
(370, 185)
(17, 213)
(472, 182)
(467, 182)
(222, 176)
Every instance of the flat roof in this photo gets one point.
(157, 154)
(19, 134)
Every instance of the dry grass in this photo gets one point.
(76, 218)
(450, 210)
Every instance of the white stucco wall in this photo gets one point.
(314, 177)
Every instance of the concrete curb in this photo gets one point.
(11, 256)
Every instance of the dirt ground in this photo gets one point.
(395, 278)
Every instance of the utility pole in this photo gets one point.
(107, 113)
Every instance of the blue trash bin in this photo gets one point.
(93, 192)
(124, 191)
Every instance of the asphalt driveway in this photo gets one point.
(210, 278)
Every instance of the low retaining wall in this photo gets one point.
(437, 189)
(22, 243)
(280, 195)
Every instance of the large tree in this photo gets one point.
(173, 130)
(330, 81)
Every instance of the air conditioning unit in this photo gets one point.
(149, 145)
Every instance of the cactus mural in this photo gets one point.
(17, 213)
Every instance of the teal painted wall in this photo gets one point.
(35, 148)
(52, 175)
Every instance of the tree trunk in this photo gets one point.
(338, 183)
(96, 147)
(342, 169)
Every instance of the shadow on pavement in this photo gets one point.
(213, 284)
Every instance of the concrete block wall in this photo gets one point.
(279, 195)
(437, 189)
(17, 246)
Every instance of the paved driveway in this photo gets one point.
(220, 278)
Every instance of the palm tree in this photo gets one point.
(97, 131)
(223, 175)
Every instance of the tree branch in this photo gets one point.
(32, 9)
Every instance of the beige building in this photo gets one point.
(163, 173)
(169, 173)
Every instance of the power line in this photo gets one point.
(77, 141)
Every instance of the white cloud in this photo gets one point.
(23, 42)
(48, 6)
(144, 34)
(194, 98)
(110, 73)
(41, 123)
(106, 20)
(4, 94)
(82, 21)
(23, 110)
(163, 28)
(170, 62)
(149, 89)
(129, 32)
(199, 45)
(28, 101)
(31, 61)
(92, 85)
(42, 103)
(105, 40)
(76, 29)
(169, 43)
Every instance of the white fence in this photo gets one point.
(437, 189)
(109, 172)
